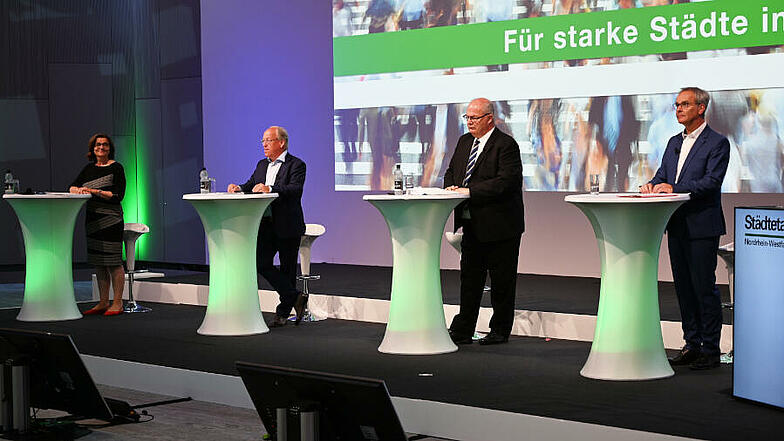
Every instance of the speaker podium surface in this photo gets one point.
(416, 223)
(231, 222)
(627, 343)
(47, 222)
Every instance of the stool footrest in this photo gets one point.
(308, 277)
(137, 271)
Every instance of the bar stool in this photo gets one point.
(456, 240)
(312, 232)
(131, 232)
(727, 254)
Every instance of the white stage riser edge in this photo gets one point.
(562, 326)
(417, 416)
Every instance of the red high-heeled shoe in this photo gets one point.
(95, 311)
(108, 313)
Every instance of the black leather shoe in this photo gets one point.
(493, 339)
(299, 307)
(685, 357)
(460, 339)
(277, 322)
(705, 362)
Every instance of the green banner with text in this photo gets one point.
(712, 25)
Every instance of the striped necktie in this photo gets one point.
(471, 162)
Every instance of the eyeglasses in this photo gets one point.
(474, 118)
(684, 104)
(102, 144)
(268, 140)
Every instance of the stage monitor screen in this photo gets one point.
(758, 332)
(585, 87)
(58, 378)
(349, 408)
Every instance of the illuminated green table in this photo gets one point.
(231, 221)
(627, 343)
(416, 322)
(47, 222)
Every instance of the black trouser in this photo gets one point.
(499, 258)
(283, 280)
(693, 264)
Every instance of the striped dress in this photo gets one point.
(104, 220)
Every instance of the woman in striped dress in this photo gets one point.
(104, 179)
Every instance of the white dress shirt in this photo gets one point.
(688, 142)
(273, 168)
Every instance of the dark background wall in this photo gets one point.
(130, 68)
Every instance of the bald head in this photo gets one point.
(482, 104)
(479, 117)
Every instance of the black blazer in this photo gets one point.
(701, 177)
(287, 217)
(496, 202)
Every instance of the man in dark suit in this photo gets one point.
(695, 162)
(486, 166)
(283, 223)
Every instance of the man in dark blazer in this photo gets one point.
(486, 166)
(695, 162)
(283, 223)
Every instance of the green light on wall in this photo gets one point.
(143, 190)
(137, 188)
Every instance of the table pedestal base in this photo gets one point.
(627, 343)
(232, 227)
(430, 342)
(416, 310)
(48, 225)
(637, 365)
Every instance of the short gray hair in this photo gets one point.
(701, 96)
(282, 134)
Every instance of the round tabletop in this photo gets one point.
(224, 196)
(47, 195)
(627, 198)
(414, 197)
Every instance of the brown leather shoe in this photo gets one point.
(299, 307)
(277, 322)
(685, 357)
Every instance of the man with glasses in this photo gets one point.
(486, 166)
(282, 224)
(695, 162)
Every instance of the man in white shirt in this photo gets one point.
(695, 162)
(283, 223)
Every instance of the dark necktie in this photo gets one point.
(471, 162)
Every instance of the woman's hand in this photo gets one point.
(103, 194)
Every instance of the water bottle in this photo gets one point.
(204, 181)
(397, 178)
(8, 186)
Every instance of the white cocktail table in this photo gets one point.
(627, 343)
(416, 312)
(231, 221)
(47, 222)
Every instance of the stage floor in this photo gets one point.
(533, 376)
(535, 292)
